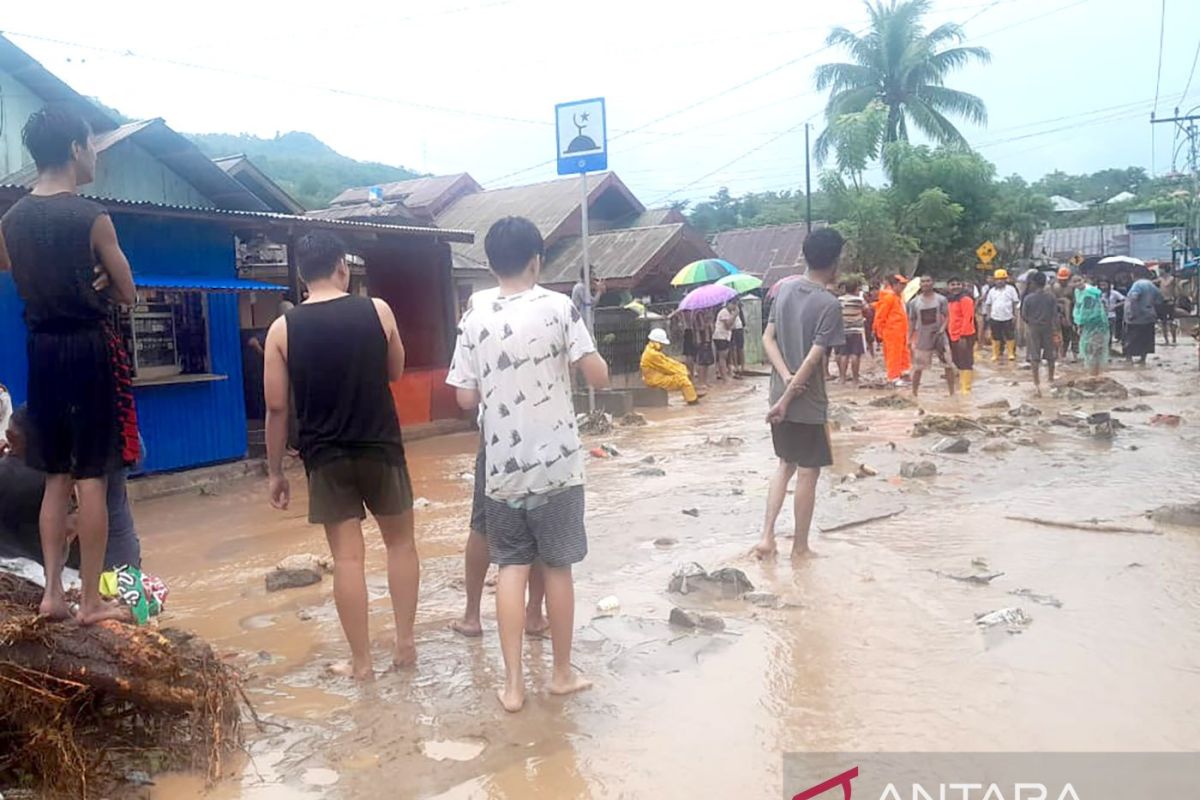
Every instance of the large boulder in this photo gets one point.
(955, 444)
(918, 469)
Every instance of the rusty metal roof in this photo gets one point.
(432, 193)
(758, 250)
(1087, 240)
(9, 193)
(396, 213)
(553, 206)
(614, 254)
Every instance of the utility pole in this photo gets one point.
(1186, 127)
(807, 185)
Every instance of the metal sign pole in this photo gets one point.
(589, 313)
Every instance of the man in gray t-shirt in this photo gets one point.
(928, 315)
(804, 326)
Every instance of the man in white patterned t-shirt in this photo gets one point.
(513, 360)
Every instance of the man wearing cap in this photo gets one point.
(1063, 290)
(660, 371)
(1000, 310)
(891, 328)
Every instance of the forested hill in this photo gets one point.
(307, 168)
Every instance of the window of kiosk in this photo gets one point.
(166, 335)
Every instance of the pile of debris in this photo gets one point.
(81, 707)
(952, 425)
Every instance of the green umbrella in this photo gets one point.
(741, 282)
(703, 271)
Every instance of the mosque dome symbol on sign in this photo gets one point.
(581, 143)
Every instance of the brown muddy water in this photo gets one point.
(873, 648)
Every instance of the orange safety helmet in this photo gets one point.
(1064, 272)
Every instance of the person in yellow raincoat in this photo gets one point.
(661, 371)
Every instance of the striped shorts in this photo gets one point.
(551, 531)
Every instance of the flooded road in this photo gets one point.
(872, 646)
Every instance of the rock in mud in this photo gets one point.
(665, 541)
(692, 512)
(1102, 386)
(918, 469)
(726, 582)
(1140, 408)
(958, 444)
(292, 578)
(306, 561)
(995, 405)
(649, 460)
(1025, 441)
(1015, 618)
(1137, 391)
(840, 417)
(1040, 599)
(1025, 410)
(953, 425)
(632, 420)
(893, 400)
(1071, 419)
(865, 471)
(860, 428)
(728, 442)
(651, 472)
(998, 446)
(694, 619)
(595, 422)
(763, 599)
(1186, 515)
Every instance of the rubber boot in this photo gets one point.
(964, 380)
(996, 351)
(1012, 351)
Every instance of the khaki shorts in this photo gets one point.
(923, 359)
(339, 490)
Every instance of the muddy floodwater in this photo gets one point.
(873, 645)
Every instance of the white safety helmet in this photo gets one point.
(660, 336)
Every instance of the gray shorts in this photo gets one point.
(1040, 344)
(552, 532)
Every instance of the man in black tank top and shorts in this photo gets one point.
(69, 270)
(336, 353)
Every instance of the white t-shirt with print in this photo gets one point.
(517, 352)
(724, 328)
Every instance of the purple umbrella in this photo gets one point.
(709, 296)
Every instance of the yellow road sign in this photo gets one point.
(1077, 259)
(986, 252)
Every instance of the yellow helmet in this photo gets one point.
(1000, 274)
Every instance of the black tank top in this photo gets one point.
(49, 241)
(337, 363)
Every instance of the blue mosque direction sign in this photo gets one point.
(582, 136)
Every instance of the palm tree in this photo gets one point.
(900, 64)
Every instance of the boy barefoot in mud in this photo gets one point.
(513, 360)
(69, 270)
(805, 324)
(336, 353)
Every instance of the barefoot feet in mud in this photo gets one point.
(404, 655)
(363, 672)
(513, 700)
(93, 614)
(54, 608)
(802, 553)
(569, 684)
(764, 550)
(537, 627)
(470, 629)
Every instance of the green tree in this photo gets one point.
(866, 218)
(899, 63)
(1020, 214)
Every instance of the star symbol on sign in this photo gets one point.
(584, 116)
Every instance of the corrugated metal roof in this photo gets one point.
(1087, 240)
(548, 205)
(11, 193)
(259, 183)
(47, 86)
(179, 154)
(209, 284)
(757, 250)
(395, 213)
(416, 192)
(613, 254)
(1066, 204)
(648, 218)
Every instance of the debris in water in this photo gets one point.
(763, 599)
(421, 502)
(651, 472)
(138, 777)
(607, 606)
(860, 428)
(953, 425)
(307, 561)
(692, 512)
(995, 405)
(665, 541)
(1040, 599)
(918, 469)
(1140, 408)
(1025, 410)
(694, 619)
(1015, 618)
(612, 451)
(857, 522)
(1102, 386)
(598, 452)
(958, 444)
(979, 579)
(865, 471)
(727, 582)
(632, 420)
(597, 422)
(451, 750)
(1185, 515)
(839, 416)
(649, 460)
(980, 563)
(279, 579)
(998, 446)
(893, 401)
(725, 441)
(1170, 420)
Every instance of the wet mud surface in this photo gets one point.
(873, 645)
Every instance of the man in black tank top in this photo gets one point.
(337, 353)
(69, 269)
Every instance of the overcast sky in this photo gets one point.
(470, 85)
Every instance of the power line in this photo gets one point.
(1162, 32)
(1192, 74)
